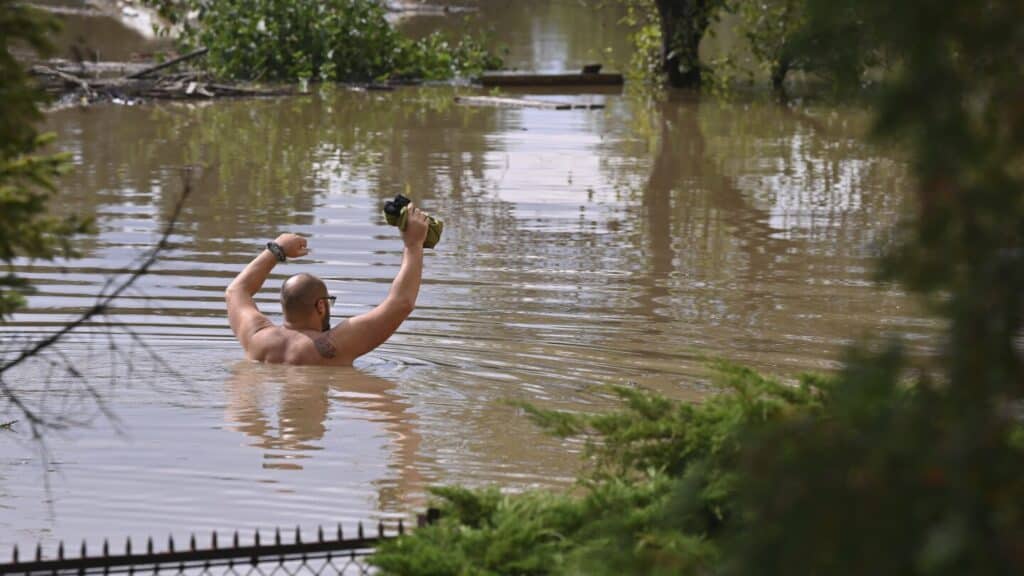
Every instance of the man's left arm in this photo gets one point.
(243, 315)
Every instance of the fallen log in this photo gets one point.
(65, 77)
(168, 64)
(87, 69)
(525, 103)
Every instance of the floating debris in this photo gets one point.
(525, 103)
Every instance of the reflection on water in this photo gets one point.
(582, 248)
(181, 463)
(287, 410)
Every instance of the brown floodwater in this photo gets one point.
(627, 246)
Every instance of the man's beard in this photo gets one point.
(326, 324)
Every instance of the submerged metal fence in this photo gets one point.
(327, 554)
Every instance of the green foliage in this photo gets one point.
(889, 479)
(841, 50)
(781, 40)
(26, 177)
(928, 478)
(335, 40)
(434, 57)
(888, 467)
(645, 65)
(771, 29)
(658, 498)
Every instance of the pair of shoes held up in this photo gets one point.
(396, 214)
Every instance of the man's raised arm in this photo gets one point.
(360, 334)
(243, 315)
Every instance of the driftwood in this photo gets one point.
(91, 82)
(525, 103)
(168, 64)
(87, 69)
(177, 87)
(67, 78)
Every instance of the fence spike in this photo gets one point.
(149, 545)
(380, 528)
(39, 552)
(236, 539)
(14, 559)
(341, 535)
(214, 543)
(192, 542)
(257, 537)
(128, 546)
(360, 529)
(277, 536)
(320, 533)
(298, 535)
(60, 550)
(401, 527)
(170, 542)
(84, 551)
(106, 548)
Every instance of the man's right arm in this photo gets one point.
(243, 315)
(361, 334)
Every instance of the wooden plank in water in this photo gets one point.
(525, 103)
(570, 79)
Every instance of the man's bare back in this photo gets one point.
(306, 336)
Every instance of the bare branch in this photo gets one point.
(104, 302)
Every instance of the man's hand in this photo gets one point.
(415, 228)
(292, 244)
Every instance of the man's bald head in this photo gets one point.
(299, 295)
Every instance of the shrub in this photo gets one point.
(658, 498)
(331, 40)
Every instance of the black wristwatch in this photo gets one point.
(276, 250)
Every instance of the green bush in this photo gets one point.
(782, 39)
(659, 497)
(890, 478)
(331, 40)
(878, 471)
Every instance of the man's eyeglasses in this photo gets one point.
(330, 299)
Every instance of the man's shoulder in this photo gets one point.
(298, 346)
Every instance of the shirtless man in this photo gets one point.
(306, 336)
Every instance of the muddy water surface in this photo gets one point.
(583, 248)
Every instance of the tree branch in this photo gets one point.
(102, 304)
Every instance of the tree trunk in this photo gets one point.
(683, 23)
(779, 72)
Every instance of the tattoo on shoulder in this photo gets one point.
(325, 347)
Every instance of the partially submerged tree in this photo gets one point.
(667, 35)
(782, 39)
(683, 24)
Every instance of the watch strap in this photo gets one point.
(276, 250)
